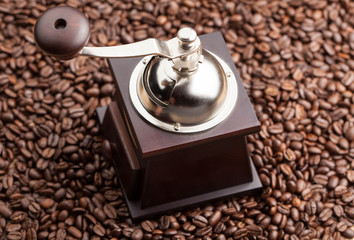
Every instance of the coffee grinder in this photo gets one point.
(176, 128)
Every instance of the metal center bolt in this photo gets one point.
(187, 36)
(187, 39)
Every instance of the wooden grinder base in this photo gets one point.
(161, 171)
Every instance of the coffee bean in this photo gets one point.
(66, 205)
(164, 222)
(333, 181)
(147, 226)
(137, 234)
(349, 233)
(74, 232)
(170, 232)
(240, 233)
(215, 218)
(5, 211)
(13, 227)
(325, 214)
(31, 234)
(18, 216)
(254, 230)
(188, 227)
(200, 221)
(203, 231)
(47, 203)
(14, 235)
(99, 214)
(178, 237)
(341, 226)
(110, 211)
(229, 231)
(99, 230)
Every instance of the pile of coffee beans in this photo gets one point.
(296, 59)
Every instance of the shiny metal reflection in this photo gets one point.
(193, 101)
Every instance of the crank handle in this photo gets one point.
(64, 31)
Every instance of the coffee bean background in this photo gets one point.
(296, 59)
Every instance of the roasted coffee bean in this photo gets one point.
(203, 231)
(349, 233)
(200, 221)
(215, 218)
(13, 227)
(99, 230)
(31, 234)
(188, 227)
(18, 216)
(147, 226)
(14, 235)
(47, 203)
(110, 211)
(254, 230)
(164, 222)
(74, 232)
(240, 233)
(5, 211)
(325, 214)
(137, 234)
(61, 234)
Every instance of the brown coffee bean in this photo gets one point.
(74, 232)
(61, 234)
(240, 233)
(254, 230)
(349, 233)
(164, 222)
(215, 218)
(341, 226)
(188, 227)
(325, 214)
(14, 235)
(31, 234)
(200, 221)
(5, 211)
(276, 219)
(137, 234)
(18, 216)
(230, 231)
(99, 230)
(338, 210)
(47, 203)
(170, 232)
(13, 227)
(203, 231)
(110, 211)
(99, 214)
(66, 205)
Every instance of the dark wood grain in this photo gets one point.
(124, 157)
(195, 170)
(62, 32)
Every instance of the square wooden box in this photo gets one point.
(161, 170)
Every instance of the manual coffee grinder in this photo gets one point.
(178, 121)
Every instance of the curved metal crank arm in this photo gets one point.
(168, 49)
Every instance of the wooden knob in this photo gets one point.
(62, 32)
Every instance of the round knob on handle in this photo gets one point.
(62, 32)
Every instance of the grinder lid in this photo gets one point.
(183, 101)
